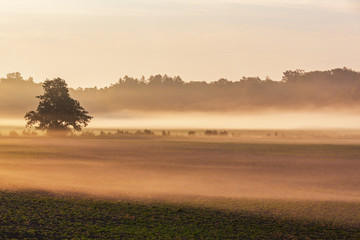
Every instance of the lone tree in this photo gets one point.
(57, 112)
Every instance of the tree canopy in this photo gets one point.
(57, 111)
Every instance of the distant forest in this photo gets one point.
(298, 90)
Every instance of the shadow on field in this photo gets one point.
(40, 215)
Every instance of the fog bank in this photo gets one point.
(198, 120)
(299, 91)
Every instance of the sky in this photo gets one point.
(95, 42)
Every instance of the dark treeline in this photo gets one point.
(336, 88)
(17, 95)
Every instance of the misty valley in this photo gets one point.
(180, 120)
(252, 159)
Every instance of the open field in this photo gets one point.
(211, 167)
(33, 215)
(261, 187)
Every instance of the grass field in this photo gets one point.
(179, 188)
(33, 215)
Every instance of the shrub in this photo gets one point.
(191, 133)
(224, 133)
(102, 134)
(145, 132)
(165, 133)
(211, 132)
(28, 133)
(87, 134)
(13, 134)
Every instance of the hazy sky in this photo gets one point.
(94, 42)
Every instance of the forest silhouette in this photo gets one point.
(298, 90)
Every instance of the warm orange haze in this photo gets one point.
(302, 100)
(143, 167)
(218, 119)
(300, 148)
(92, 42)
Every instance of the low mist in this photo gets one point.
(221, 120)
(169, 167)
(250, 102)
